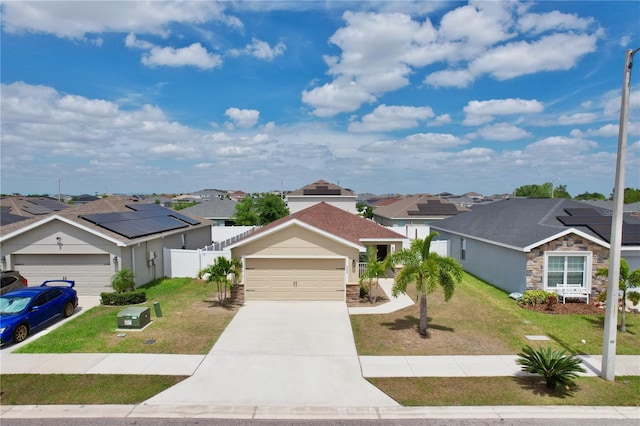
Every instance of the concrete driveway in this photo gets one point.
(281, 354)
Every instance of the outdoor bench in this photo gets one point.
(565, 291)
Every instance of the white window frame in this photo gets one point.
(588, 267)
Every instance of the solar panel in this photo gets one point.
(155, 208)
(141, 221)
(35, 209)
(601, 225)
(585, 220)
(587, 211)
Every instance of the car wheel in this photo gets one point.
(20, 333)
(68, 309)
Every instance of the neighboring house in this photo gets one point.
(89, 243)
(219, 210)
(421, 210)
(84, 199)
(321, 192)
(312, 254)
(29, 207)
(206, 194)
(522, 244)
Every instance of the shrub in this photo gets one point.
(536, 297)
(634, 297)
(364, 292)
(119, 299)
(123, 280)
(555, 366)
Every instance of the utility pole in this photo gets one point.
(611, 315)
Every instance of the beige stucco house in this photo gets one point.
(312, 254)
(321, 192)
(90, 242)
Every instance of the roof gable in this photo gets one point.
(322, 188)
(329, 220)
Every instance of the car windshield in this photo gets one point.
(13, 305)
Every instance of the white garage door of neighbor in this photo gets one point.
(91, 272)
(295, 279)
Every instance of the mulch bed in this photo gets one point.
(571, 307)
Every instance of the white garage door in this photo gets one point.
(295, 279)
(91, 272)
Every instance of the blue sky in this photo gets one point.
(394, 96)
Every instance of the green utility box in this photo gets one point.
(134, 317)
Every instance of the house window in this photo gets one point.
(567, 268)
(463, 248)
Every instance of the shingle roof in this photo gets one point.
(111, 204)
(322, 187)
(31, 206)
(517, 222)
(417, 206)
(214, 208)
(335, 221)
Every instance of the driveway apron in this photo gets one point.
(281, 354)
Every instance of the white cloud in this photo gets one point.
(132, 42)
(450, 78)
(379, 52)
(415, 144)
(339, 96)
(386, 118)
(441, 120)
(577, 118)
(503, 132)
(77, 19)
(193, 55)
(537, 23)
(245, 118)
(522, 58)
(481, 112)
(261, 50)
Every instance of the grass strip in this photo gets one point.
(51, 389)
(481, 391)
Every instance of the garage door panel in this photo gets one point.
(295, 279)
(91, 272)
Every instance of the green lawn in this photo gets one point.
(482, 320)
(190, 324)
(475, 391)
(45, 389)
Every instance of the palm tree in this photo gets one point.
(219, 273)
(627, 280)
(123, 280)
(373, 270)
(427, 270)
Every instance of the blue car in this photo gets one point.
(25, 310)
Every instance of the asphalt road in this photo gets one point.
(231, 422)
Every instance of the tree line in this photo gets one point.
(548, 190)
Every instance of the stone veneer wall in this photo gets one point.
(353, 292)
(570, 242)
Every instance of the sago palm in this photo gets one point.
(427, 270)
(555, 366)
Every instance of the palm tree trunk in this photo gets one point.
(423, 314)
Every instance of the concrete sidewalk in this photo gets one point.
(497, 413)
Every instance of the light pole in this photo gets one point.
(611, 315)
